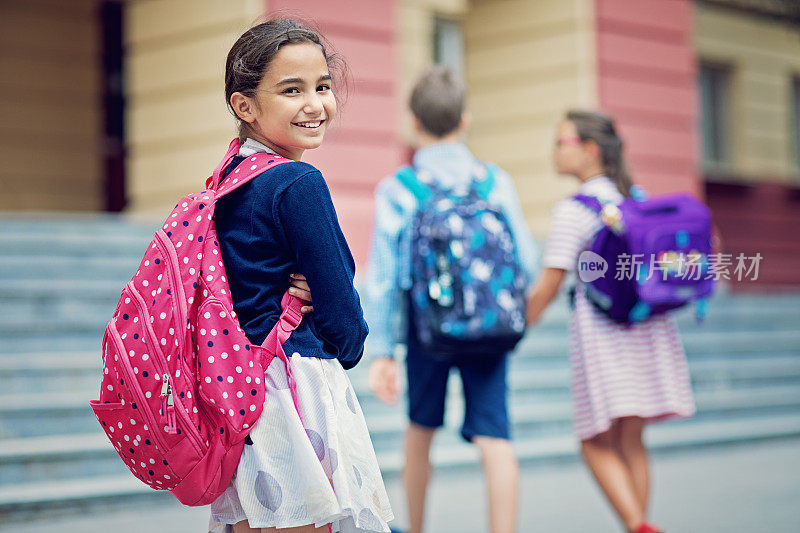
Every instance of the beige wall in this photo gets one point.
(177, 120)
(50, 105)
(763, 55)
(415, 22)
(527, 63)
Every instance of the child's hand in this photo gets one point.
(383, 379)
(299, 287)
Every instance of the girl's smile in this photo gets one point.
(309, 125)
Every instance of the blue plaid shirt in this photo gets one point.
(389, 269)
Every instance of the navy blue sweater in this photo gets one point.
(281, 222)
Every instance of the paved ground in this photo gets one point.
(744, 488)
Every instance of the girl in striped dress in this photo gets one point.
(622, 377)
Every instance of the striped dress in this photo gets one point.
(617, 371)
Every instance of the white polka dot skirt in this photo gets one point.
(321, 470)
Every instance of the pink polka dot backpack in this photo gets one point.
(182, 386)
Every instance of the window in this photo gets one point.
(715, 125)
(795, 122)
(113, 55)
(448, 45)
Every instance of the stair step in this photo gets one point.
(72, 222)
(43, 245)
(23, 497)
(89, 289)
(20, 277)
(62, 401)
(54, 457)
(15, 333)
(53, 445)
(36, 414)
(48, 326)
(80, 370)
(45, 494)
(737, 342)
(660, 438)
(66, 342)
(681, 435)
(526, 367)
(61, 300)
(528, 417)
(75, 268)
(90, 455)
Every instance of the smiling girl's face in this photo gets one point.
(294, 103)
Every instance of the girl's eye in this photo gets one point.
(291, 90)
(323, 88)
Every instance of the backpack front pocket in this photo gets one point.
(126, 413)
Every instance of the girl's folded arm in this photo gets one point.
(306, 213)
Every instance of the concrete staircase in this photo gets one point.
(60, 278)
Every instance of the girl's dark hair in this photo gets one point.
(597, 127)
(251, 55)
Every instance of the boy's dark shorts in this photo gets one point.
(485, 393)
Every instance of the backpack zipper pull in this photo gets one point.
(172, 427)
(168, 405)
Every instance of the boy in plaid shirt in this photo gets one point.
(437, 104)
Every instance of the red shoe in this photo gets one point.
(647, 527)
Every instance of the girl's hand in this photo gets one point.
(299, 287)
(543, 293)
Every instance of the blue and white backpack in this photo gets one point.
(467, 292)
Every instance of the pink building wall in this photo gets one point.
(362, 146)
(646, 81)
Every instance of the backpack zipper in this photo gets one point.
(171, 257)
(168, 406)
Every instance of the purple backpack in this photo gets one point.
(650, 256)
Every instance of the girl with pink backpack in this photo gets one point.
(308, 464)
(623, 376)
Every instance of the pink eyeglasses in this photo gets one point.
(562, 141)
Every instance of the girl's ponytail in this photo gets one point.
(597, 127)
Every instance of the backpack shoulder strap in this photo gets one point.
(248, 169)
(484, 187)
(408, 178)
(592, 202)
(213, 181)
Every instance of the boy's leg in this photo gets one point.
(486, 424)
(501, 469)
(417, 472)
(427, 389)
